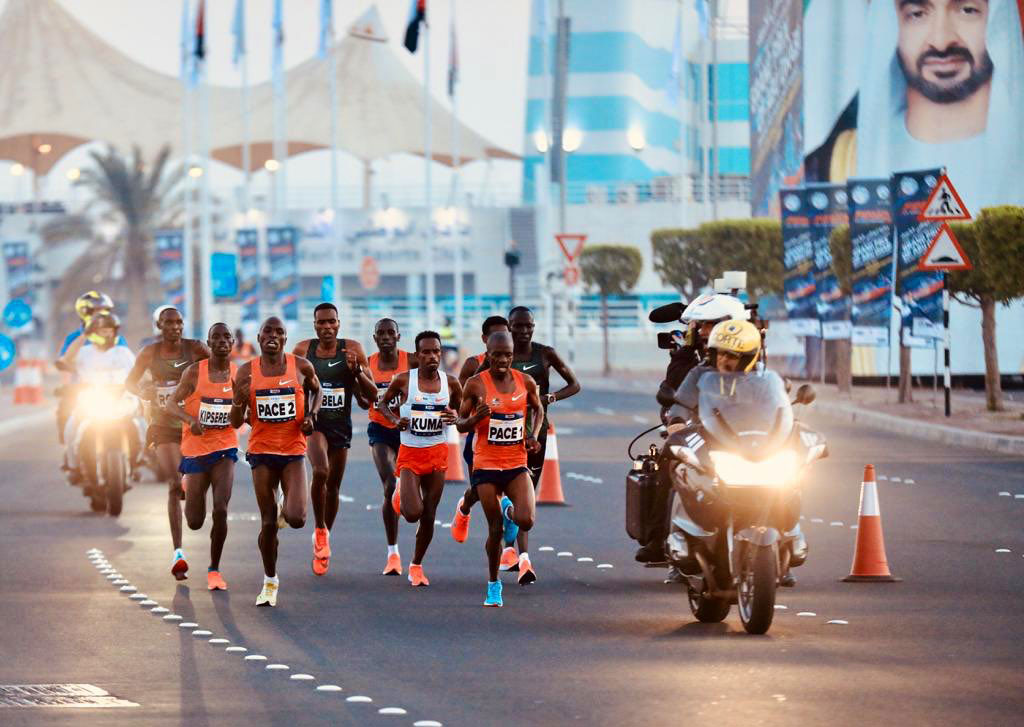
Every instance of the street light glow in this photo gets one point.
(73, 174)
(45, 148)
(572, 138)
(271, 165)
(195, 172)
(17, 170)
(635, 137)
(540, 140)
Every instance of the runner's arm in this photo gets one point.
(395, 389)
(534, 410)
(142, 362)
(311, 385)
(240, 401)
(366, 386)
(185, 388)
(301, 348)
(473, 408)
(450, 416)
(66, 362)
(572, 384)
(200, 350)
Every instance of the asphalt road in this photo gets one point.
(586, 644)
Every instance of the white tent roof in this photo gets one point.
(64, 86)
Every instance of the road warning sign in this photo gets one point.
(944, 204)
(572, 245)
(944, 253)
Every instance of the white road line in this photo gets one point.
(1002, 550)
(202, 633)
(301, 677)
(604, 411)
(639, 419)
(817, 520)
(584, 560)
(391, 710)
(236, 649)
(359, 699)
(255, 657)
(346, 498)
(128, 589)
(564, 554)
(427, 723)
(147, 603)
(838, 622)
(836, 524)
(172, 617)
(328, 688)
(807, 613)
(158, 610)
(1001, 494)
(138, 597)
(277, 667)
(908, 482)
(881, 478)
(895, 479)
(605, 565)
(219, 641)
(188, 625)
(1019, 496)
(546, 548)
(780, 607)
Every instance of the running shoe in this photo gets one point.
(215, 582)
(526, 572)
(509, 560)
(394, 566)
(268, 596)
(460, 524)
(179, 566)
(396, 501)
(493, 599)
(416, 577)
(321, 551)
(511, 529)
(281, 522)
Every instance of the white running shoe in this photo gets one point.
(268, 596)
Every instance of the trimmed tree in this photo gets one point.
(613, 270)
(993, 245)
(681, 260)
(842, 266)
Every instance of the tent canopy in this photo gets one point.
(63, 86)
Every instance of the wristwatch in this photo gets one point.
(551, 398)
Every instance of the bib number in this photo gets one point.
(164, 394)
(426, 423)
(505, 432)
(215, 413)
(275, 405)
(333, 398)
(381, 389)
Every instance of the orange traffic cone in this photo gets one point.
(869, 561)
(454, 472)
(549, 492)
(28, 381)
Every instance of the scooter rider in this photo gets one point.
(734, 346)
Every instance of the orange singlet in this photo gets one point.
(383, 380)
(278, 406)
(210, 403)
(500, 441)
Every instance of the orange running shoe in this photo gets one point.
(526, 572)
(179, 566)
(509, 560)
(321, 551)
(460, 524)
(214, 581)
(394, 566)
(396, 501)
(416, 577)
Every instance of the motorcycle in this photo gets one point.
(735, 472)
(106, 443)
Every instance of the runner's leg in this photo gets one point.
(524, 504)
(488, 495)
(412, 500)
(432, 486)
(535, 463)
(337, 458)
(222, 477)
(384, 459)
(316, 452)
(195, 498)
(264, 482)
(293, 481)
(169, 457)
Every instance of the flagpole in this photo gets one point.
(713, 29)
(246, 150)
(186, 132)
(332, 77)
(205, 226)
(280, 152)
(677, 57)
(456, 170)
(428, 134)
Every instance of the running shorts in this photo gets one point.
(500, 478)
(272, 461)
(205, 462)
(422, 460)
(157, 434)
(337, 434)
(379, 434)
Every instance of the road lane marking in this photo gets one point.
(188, 625)
(277, 667)
(201, 633)
(391, 710)
(1001, 494)
(172, 617)
(346, 498)
(128, 589)
(881, 478)
(895, 479)
(605, 565)
(807, 613)
(1002, 550)
(302, 677)
(605, 411)
(780, 607)
(908, 482)
(564, 554)
(817, 520)
(158, 610)
(427, 723)
(236, 649)
(1019, 496)
(359, 699)
(328, 688)
(255, 657)
(219, 640)
(546, 548)
(59, 695)
(584, 560)
(838, 622)
(148, 602)
(138, 597)
(836, 524)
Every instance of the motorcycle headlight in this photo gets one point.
(778, 470)
(103, 404)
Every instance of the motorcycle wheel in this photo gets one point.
(114, 474)
(758, 579)
(706, 609)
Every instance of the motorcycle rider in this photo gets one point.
(734, 346)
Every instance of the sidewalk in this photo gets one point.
(18, 416)
(971, 425)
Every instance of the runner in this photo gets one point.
(430, 398)
(388, 362)
(460, 523)
(209, 446)
(280, 395)
(165, 361)
(498, 404)
(339, 364)
(536, 360)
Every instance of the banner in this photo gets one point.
(249, 289)
(920, 291)
(170, 263)
(870, 260)
(18, 264)
(282, 244)
(798, 262)
(224, 276)
(776, 99)
(828, 211)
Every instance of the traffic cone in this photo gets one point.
(549, 492)
(28, 381)
(454, 472)
(869, 561)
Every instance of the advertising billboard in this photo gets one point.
(870, 260)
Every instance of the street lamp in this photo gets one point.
(271, 165)
(73, 174)
(195, 172)
(540, 141)
(45, 148)
(17, 169)
(572, 138)
(635, 137)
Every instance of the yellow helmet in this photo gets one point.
(88, 304)
(740, 338)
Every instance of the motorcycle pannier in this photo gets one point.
(642, 493)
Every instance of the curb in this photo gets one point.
(9, 425)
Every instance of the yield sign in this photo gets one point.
(944, 253)
(944, 204)
(572, 245)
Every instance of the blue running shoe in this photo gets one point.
(493, 599)
(511, 529)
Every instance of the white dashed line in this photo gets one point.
(427, 723)
(584, 560)
(881, 478)
(639, 419)
(836, 524)
(359, 699)
(1019, 496)
(255, 657)
(807, 613)
(1001, 494)
(604, 411)
(817, 520)
(853, 527)
(908, 482)
(236, 649)
(346, 498)
(328, 688)
(838, 622)
(302, 677)
(277, 667)
(120, 582)
(138, 597)
(564, 554)
(1002, 550)
(202, 633)
(895, 479)
(391, 710)
(219, 641)
(147, 603)
(369, 507)
(188, 625)
(128, 589)
(605, 565)
(158, 610)
(780, 607)
(546, 549)
(172, 617)
(446, 525)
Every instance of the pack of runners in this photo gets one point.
(298, 406)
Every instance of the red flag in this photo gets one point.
(200, 47)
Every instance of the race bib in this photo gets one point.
(426, 422)
(164, 394)
(381, 389)
(275, 405)
(506, 429)
(215, 413)
(333, 398)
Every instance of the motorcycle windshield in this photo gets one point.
(750, 413)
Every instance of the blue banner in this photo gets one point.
(249, 288)
(224, 276)
(19, 272)
(282, 246)
(828, 211)
(920, 291)
(170, 262)
(871, 260)
(798, 262)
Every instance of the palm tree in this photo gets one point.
(135, 201)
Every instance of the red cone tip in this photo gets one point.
(869, 473)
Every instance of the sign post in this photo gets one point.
(945, 254)
(571, 246)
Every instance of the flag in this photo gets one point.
(186, 42)
(676, 71)
(199, 46)
(277, 63)
(326, 27)
(417, 15)
(453, 59)
(702, 17)
(238, 30)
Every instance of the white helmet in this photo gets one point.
(156, 315)
(715, 307)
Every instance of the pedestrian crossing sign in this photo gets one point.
(944, 204)
(944, 253)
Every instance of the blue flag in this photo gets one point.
(238, 30)
(326, 27)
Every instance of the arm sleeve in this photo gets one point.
(679, 365)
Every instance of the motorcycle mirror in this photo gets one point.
(669, 313)
(805, 394)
